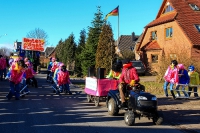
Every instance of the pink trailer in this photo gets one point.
(97, 89)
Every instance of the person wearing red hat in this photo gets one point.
(129, 76)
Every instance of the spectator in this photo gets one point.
(171, 77)
(184, 80)
(194, 81)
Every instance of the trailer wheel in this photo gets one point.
(129, 118)
(158, 119)
(96, 101)
(112, 107)
(89, 98)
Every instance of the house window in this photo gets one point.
(168, 8)
(154, 35)
(168, 32)
(154, 58)
(194, 7)
(173, 56)
(198, 27)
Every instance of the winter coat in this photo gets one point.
(194, 78)
(171, 75)
(16, 74)
(29, 72)
(63, 78)
(183, 77)
(129, 74)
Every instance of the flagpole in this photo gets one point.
(118, 33)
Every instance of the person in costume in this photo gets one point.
(171, 77)
(129, 76)
(184, 80)
(54, 66)
(194, 81)
(29, 74)
(49, 69)
(115, 72)
(63, 79)
(15, 76)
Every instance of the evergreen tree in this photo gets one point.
(59, 50)
(80, 47)
(69, 51)
(106, 49)
(89, 52)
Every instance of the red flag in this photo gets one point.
(114, 12)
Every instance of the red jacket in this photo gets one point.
(63, 77)
(29, 72)
(129, 74)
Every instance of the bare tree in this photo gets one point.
(38, 34)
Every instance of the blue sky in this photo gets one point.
(60, 18)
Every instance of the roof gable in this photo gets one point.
(49, 50)
(153, 45)
(183, 14)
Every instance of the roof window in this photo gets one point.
(168, 8)
(194, 7)
(198, 27)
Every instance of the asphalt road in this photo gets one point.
(42, 111)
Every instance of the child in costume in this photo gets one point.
(29, 74)
(194, 81)
(15, 76)
(54, 66)
(63, 79)
(171, 77)
(184, 80)
(49, 69)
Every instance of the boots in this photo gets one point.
(172, 92)
(9, 96)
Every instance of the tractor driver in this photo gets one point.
(129, 76)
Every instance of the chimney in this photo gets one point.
(133, 36)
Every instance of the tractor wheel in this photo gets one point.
(113, 109)
(129, 118)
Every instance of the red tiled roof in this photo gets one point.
(163, 19)
(153, 45)
(187, 18)
(184, 15)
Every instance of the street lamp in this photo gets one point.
(3, 35)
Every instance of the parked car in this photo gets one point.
(139, 65)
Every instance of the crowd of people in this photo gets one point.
(19, 71)
(58, 74)
(22, 69)
(177, 75)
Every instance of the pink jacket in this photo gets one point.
(63, 77)
(171, 75)
(16, 76)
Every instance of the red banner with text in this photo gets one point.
(33, 44)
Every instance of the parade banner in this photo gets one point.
(33, 44)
